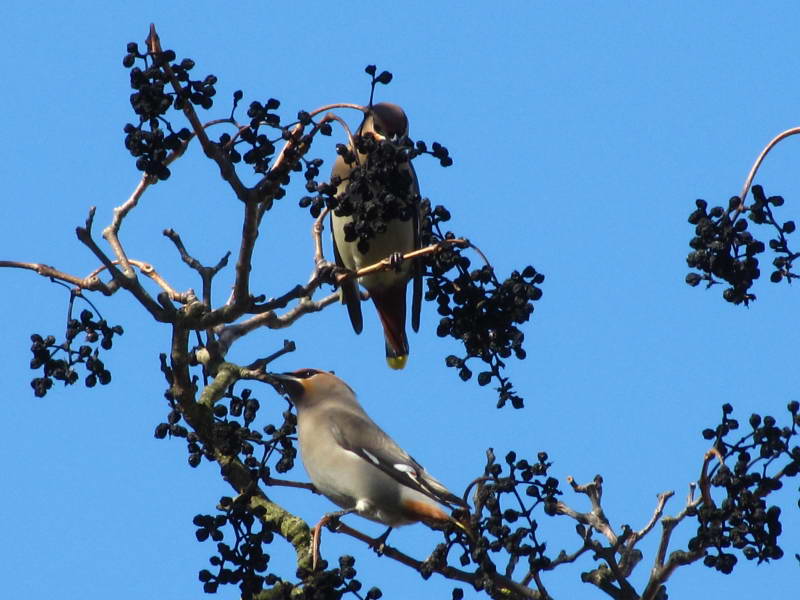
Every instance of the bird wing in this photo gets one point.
(358, 434)
(416, 266)
(350, 294)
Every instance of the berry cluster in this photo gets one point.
(47, 353)
(261, 146)
(477, 309)
(379, 188)
(437, 151)
(503, 521)
(335, 583)
(761, 213)
(506, 522)
(743, 521)
(724, 249)
(235, 438)
(377, 191)
(243, 563)
(147, 141)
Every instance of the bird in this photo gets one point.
(355, 464)
(387, 288)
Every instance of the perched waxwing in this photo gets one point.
(387, 288)
(352, 462)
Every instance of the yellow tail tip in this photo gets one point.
(397, 362)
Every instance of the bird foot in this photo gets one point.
(378, 544)
(396, 260)
(326, 271)
(332, 521)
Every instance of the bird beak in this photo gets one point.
(291, 385)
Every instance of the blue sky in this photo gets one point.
(581, 136)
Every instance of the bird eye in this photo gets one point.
(305, 373)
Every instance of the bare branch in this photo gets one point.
(304, 307)
(510, 589)
(601, 577)
(316, 234)
(292, 484)
(228, 334)
(90, 282)
(661, 572)
(241, 287)
(127, 280)
(322, 109)
(754, 169)
(111, 233)
(563, 558)
(659, 510)
(288, 346)
(596, 517)
(386, 263)
(206, 273)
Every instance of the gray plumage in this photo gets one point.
(353, 462)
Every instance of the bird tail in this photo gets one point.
(391, 307)
(435, 518)
(349, 294)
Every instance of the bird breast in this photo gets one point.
(398, 237)
(349, 481)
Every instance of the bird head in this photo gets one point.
(308, 387)
(386, 121)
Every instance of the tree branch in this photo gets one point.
(206, 273)
(754, 169)
(111, 233)
(127, 281)
(510, 589)
(661, 572)
(595, 518)
(90, 282)
(211, 150)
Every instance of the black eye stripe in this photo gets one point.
(305, 373)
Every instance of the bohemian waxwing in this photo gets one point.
(387, 288)
(352, 462)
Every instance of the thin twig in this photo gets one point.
(596, 517)
(754, 169)
(387, 263)
(268, 318)
(150, 271)
(564, 558)
(510, 589)
(90, 282)
(129, 282)
(111, 233)
(316, 234)
(211, 150)
(303, 308)
(288, 346)
(661, 572)
(206, 273)
(659, 510)
(292, 484)
(294, 134)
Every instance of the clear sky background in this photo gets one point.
(581, 134)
